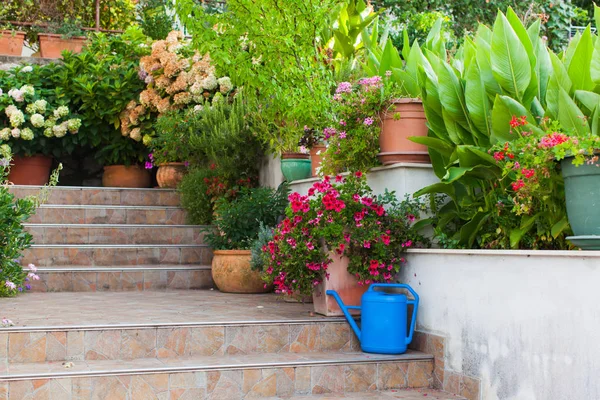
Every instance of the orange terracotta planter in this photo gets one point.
(316, 156)
(51, 45)
(405, 119)
(133, 176)
(11, 43)
(232, 273)
(34, 170)
(345, 284)
(169, 175)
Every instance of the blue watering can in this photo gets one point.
(383, 318)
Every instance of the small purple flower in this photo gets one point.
(329, 132)
(368, 121)
(151, 157)
(20, 289)
(344, 87)
(28, 287)
(342, 122)
(343, 135)
(148, 165)
(142, 74)
(26, 279)
(4, 162)
(187, 164)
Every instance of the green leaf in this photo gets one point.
(580, 62)
(439, 145)
(543, 69)
(440, 187)
(477, 100)
(405, 44)
(438, 162)
(485, 68)
(510, 63)
(517, 234)
(389, 59)
(570, 116)
(502, 112)
(534, 32)
(559, 79)
(560, 226)
(468, 233)
(452, 95)
(590, 100)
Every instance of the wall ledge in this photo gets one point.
(508, 253)
(374, 170)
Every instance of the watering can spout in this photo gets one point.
(345, 309)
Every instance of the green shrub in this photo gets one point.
(154, 19)
(196, 197)
(265, 235)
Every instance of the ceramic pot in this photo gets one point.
(169, 175)
(133, 176)
(406, 118)
(345, 284)
(232, 273)
(52, 46)
(34, 170)
(316, 155)
(295, 166)
(11, 43)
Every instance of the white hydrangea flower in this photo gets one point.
(9, 110)
(17, 95)
(48, 132)
(40, 106)
(225, 84)
(27, 134)
(1, 93)
(16, 133)
(60, 130)
(16, 118)
(198, 107)
(5, 134)
(210, 82)
(28, 90)
(73, 125)
(196, 89)
(27, 68)
(37, 120)
(61, 111)
(30, 109)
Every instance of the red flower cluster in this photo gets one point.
(516, 122)
(553, 139)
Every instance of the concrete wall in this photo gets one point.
(526, 323)
(270, 172)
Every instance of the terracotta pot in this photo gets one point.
(295, 166)
(232, 273)
(170, 174)
(315, 159)
(11, 43)
(34, 170)
(345, 284)
(405, 119)
(132, 176)
(51, 45)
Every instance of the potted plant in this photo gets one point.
(11, 41)
(313, 141)
(236, 226)
(34, 129)
(339, 237)
(61, 36)
(170, 147)
(122, 160)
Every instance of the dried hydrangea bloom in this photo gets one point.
(136, 134)
(159, 46)
(182, 98)
(180, 84)
(162, 82)
(163, 105)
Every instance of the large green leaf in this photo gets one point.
(468, 233)
(580, 62)
(485, 68)
(438, 162)
(559, 79)
(477, 100)
(452, 95)
(517, 234)
(543, 69)
(389, 59)
(589, 100)
(439, 145)
(570, 116)
(435, 39)
(408, 83)
(510, 62)
(595, 64)
(440, 187)
(502, 112)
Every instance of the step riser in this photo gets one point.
(99, 196)
(116, 235)
(231, 384)
(50, 257)
(121, 281)
(169, 342)
(108, 216)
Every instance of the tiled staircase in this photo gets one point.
(134, 336)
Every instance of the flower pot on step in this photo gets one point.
(295, 166)
(345, 284)
(11, 43)
(33, 170)
(232, 273)
(169, 175)
(52, 46)
(133, 176)
(404, 119)
(316, 155)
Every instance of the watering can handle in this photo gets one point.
(414, 302)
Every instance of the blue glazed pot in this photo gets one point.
(296, 166)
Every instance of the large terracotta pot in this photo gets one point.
(316, 155)
(345, 284)
(170, 174)
(405, 119)
(51, 45)
(295, 166)
(34, 170)
(132, 176)
(11, 43)
(232, 273)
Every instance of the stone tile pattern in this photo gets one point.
(173, 342)
(226, 384)
(116, 235)
(51, 257)
(79, 281)
(445, 379)
(82, 215)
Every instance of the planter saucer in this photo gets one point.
(585, 242)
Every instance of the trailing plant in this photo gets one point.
(339, 218)
(237, 222)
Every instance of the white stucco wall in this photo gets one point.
(270, 172)
(526, 323)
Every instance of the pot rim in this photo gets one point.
(172, 164)
(295, 156)
(407, 100)
(238, 252)
(135, 166)
(10, 32)
(56, 35)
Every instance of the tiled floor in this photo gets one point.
(404, 394)
(131, 308)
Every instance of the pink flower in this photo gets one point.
(367, 201)
(411, 218)
(342, 122)
(347, 237)
(10, 285)
(367, 244)
(310, 246)
(408, 243)
(344, 87)
(528, 173)
(368, 121)
(358, 174)
(385, 239)
(518, 185)
(356, 197)
(343, 135)
(32, 268)
(499, 156)
(339, 178)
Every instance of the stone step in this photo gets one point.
(115, 234)
(218, 377)
(72, 195)
(51, 255)
(108, 214)
(119, 278)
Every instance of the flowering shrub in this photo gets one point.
(26, 118)
(353, 140)
(340, 218)
(176, 78)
